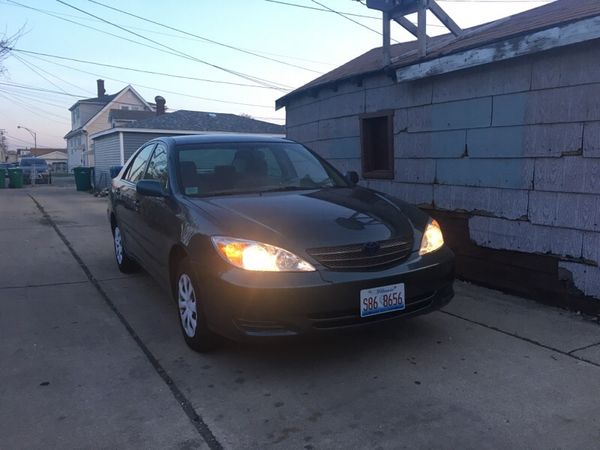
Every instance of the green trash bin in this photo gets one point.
(15, 177)
(2, 178)
(83, 178)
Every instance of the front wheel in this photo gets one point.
(191, 315)
(124, 262)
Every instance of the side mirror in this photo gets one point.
(352, 177)
(150, 188)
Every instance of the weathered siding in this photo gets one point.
(107, 151)
(101, 122)
(132, 141)
(86, 112)
(512, 149)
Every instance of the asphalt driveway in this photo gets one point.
(92, 358)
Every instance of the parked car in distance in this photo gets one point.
(37, 167)
(258, 237)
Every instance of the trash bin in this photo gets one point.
(83, 178)
(114, 171)
(2, 178)
(15, 177)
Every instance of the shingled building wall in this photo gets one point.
(506, 155)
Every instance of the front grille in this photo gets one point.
(357, 257)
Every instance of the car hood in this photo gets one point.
(310, 219)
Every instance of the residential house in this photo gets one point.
(114, 146)
(92, 115)
(495, 132)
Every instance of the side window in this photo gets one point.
(157, 167)
(377, 144)
(136, 167)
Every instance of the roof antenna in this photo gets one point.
(397, 10)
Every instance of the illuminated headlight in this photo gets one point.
(251, 255)
(432, 238)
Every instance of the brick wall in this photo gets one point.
(515, 145)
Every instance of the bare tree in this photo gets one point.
(6, 46)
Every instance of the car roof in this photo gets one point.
(223, 138)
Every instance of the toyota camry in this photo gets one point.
(259, 237)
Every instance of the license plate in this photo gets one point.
(381, 300)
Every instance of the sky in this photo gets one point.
(228, 56)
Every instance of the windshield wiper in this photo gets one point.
(257, 191)
(287, 188)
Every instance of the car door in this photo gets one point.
(127, 214)
(158, 219)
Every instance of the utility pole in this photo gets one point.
(3, 147)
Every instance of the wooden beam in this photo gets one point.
(422, 28)
(386, 39)
(559, 36)
(445, 18)
(406, 24)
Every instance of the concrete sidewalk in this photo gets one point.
(489, 371)
(70, 374)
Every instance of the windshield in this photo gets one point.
(33, 162)
(231, 168)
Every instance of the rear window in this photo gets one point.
(33, 162)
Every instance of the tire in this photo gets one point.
(192, 320)
(124, 262)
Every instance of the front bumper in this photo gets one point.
(242, 305)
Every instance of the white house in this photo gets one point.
(93, 115)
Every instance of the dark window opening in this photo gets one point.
(377, 144)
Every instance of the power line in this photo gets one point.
(50, 91)
(29, 96)
(18, 139)
(297, 58)
(151, 72)
(34, 70)
(48, 116)
(154, 87)
(329, 10)
(25, 142)
(350, 19)
(202, 38)
(52, 75)
(13, 2)
(31, 88)
(62, 16)
(322, 9)
(172, 50)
